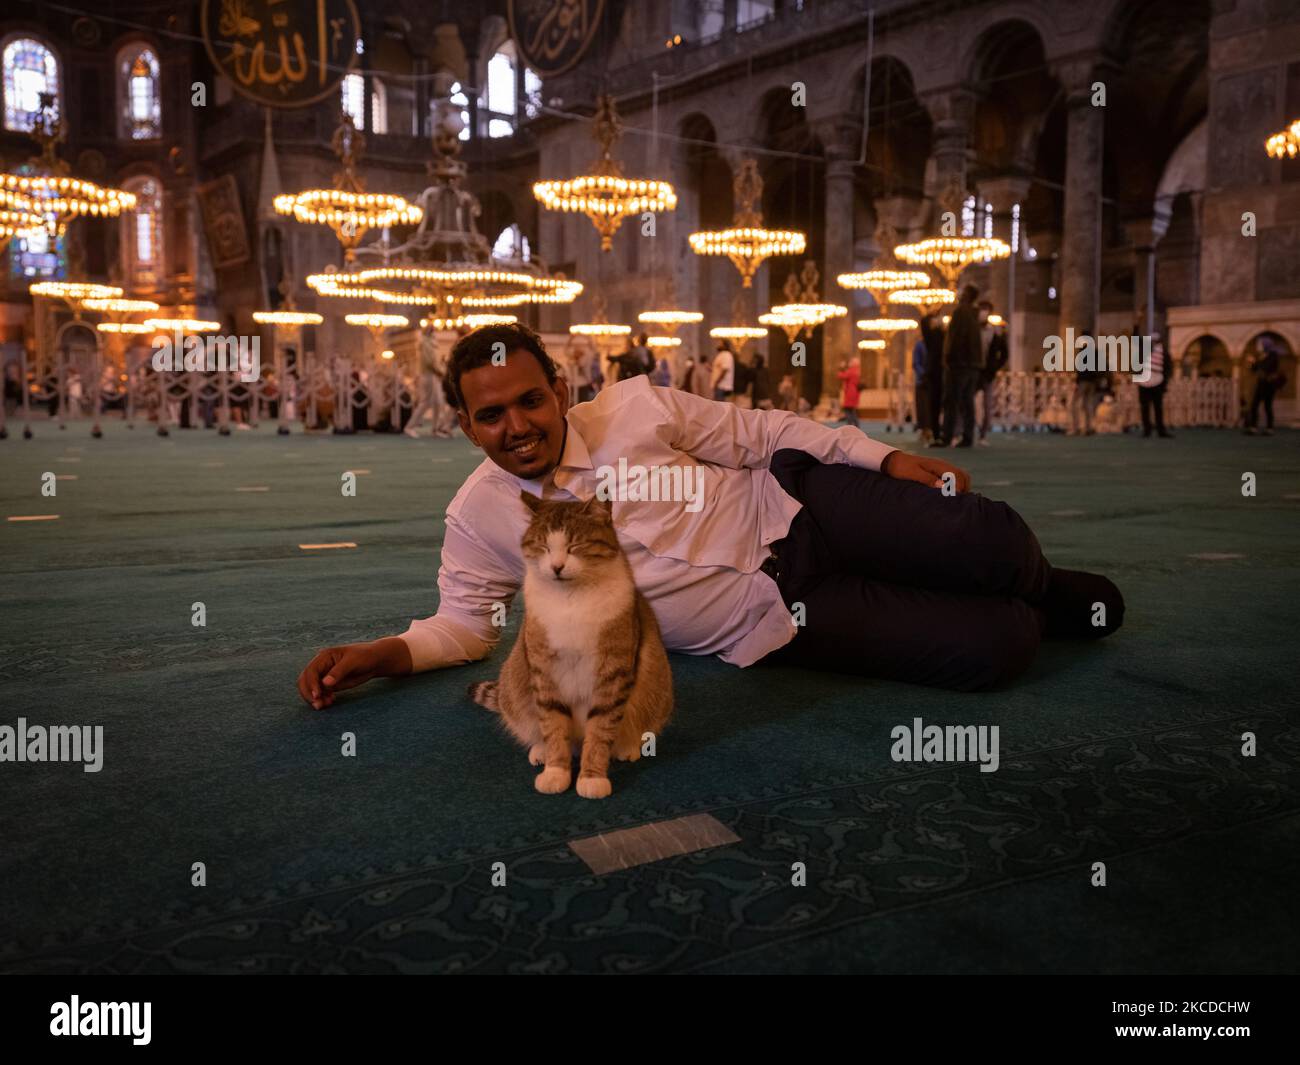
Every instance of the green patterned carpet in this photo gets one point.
(1125, 752)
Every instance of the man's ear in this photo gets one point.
(561, 389)
(466, 427)
(534, 502)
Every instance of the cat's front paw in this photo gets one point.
(594, 787)
(537, 754)
(630, 753)
(552, 780)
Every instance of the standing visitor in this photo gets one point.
(1269, 379)
(963, 362)
(1151, 392)
(723, 379)
(921, 389)
(932, 336)
(1087, 394)
(849, 376)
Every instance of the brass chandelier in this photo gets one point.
(606, 196)
(347, 208)
(747, 243)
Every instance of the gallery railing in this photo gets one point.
(1043, 400)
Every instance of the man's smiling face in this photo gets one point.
(515, 415)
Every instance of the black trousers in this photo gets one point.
(900, 582)
(934, 384)
(1152, 399)
(1264, 393)
(959, 387)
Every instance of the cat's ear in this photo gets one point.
(600, 508)
(534, 502)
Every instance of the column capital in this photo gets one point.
(1145, 233)
(1077, 74)
(951, 107)
(1004, 190)
(841, 136)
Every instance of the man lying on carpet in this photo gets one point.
(889, 575)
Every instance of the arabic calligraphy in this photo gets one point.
(554, 34)
(285, 53)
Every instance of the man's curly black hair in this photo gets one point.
(477, 348)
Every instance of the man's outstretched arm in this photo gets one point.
(739, 438)
(472, 580)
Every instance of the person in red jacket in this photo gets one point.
(849, 390)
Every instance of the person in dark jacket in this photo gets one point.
(1269, 379)
(963, 362)
(921, 384)
(932, 335)
(1151, 392)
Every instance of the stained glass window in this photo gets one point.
(30, 69)
(142, 234)
(140, 106)
(37, 256)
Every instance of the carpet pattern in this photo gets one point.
(1127, 752)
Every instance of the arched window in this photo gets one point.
(139, 103)
(142, 244)
(378, 106)
(503, 103)
(30, 70)
(353, 94)
(512, 245)
(37, 256)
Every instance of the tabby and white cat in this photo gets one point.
(589, 666)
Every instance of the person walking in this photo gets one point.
(1269, 379)
(1151, 392)
(849, 376)
(963, 362)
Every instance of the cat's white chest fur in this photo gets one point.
(572, 621)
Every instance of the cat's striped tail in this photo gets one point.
(484, 692)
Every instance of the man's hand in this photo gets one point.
(337, 669)
(926, 471)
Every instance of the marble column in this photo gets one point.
(837, 333)
(1081, 230)
(1003, 193)
(1143, 236)
(950, 111)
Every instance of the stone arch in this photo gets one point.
(1206, 353)
(1015, 95)
(987, 47)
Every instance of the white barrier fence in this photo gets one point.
(1029, 401)
(326, 394)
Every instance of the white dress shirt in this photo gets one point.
(724, 371)
(697, 565)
